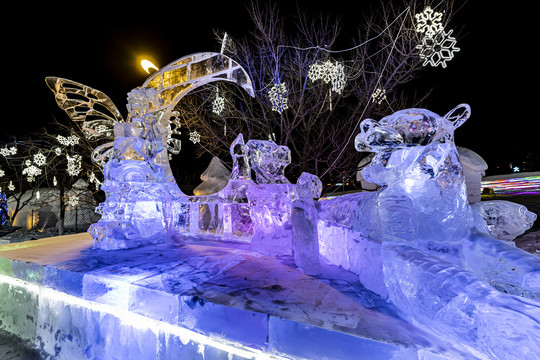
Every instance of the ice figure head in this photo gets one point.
(269, 161)
(141, 100)
(308, 186)
(410, 127)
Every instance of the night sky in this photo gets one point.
(100, 47)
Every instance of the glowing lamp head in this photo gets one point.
(147, 64)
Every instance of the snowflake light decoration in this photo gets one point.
(39, 159)
(68, 141)
(11, 187)
(437, 50)
(278, 97)
(74, 165)
(429, 22)
(73, 200)
(218, 105)
(8, 151)
(194, 137)
(379, 96)
(2, 173)
(58, 151)
(55, 182)
(31, 171)
(329, 72)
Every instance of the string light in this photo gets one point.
(332, 72)
(74, 165)
(8, 151)
(68, 141)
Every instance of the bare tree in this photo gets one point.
(316, 119)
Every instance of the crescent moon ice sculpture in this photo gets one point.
(99, 115)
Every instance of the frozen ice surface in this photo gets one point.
(505, 220)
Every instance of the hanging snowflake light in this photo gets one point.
(55, 182)
(58, 151)
(73, 200)
(278, 97)
(2, 173)
(11, 187)
(194, 137)
(429, 22)
(38, 195)
(39, 159)
(74, 165)
(68, 141)
(31, 171)
(437, 50)
(218, 105)
(93, 179)
(379, 96)
(8, 151)
(329, 71)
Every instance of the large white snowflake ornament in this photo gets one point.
(278, 97)
(194, 137)
(429, 22)
(329, 72)
(439, 49)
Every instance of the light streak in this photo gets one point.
(522, 185)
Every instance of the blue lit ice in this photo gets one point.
(260, 266)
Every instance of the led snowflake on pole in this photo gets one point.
(329, 72)
(278, 97)
(218, 104)
(439, 49)
(74, 165)
(194, 137)
(39, 159)
(428, 22)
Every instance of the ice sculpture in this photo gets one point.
(416, 164)
(214, 178)
(505, 220)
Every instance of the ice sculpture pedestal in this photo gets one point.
(203, 300)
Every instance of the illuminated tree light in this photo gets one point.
(429, 22)
(31, 171)
(332, 72)
(55, 182)
(74, 165)
(278, 97)
(218, 105)
(68, 141)
(379, 96)
(8, 151)
(2, 173)
(194, 137)
(73, 200)
(11, 187)
(39, 159)
(58, 151)
(437, 50)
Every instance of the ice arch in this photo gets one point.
(177, 79)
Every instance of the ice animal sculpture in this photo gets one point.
(424, 247)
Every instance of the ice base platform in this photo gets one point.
(200, 300)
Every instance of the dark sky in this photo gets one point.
(99, 47)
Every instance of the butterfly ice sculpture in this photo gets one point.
(99, 115)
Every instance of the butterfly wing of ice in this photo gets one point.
(94, 111)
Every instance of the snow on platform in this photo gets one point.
(193, 301)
